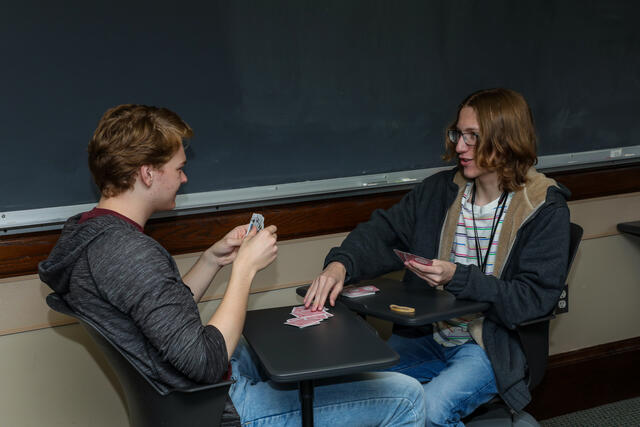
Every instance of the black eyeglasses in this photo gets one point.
(469, 138)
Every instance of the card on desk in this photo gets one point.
(304, 317)
(352, 291)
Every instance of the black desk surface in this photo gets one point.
(630, 227)
(340, 345)
(431, 305)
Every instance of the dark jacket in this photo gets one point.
(530, 267)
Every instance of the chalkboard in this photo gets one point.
(286, 91)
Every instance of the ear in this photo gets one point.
(146, 173)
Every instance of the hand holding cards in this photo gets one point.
(257, 221)
(406, 256)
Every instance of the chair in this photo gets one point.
(148, 405)
(534, 337)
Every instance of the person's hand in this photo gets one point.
(437, 274)
(225, 250)
(329, 283)
(258, 250)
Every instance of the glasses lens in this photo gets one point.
(454, 135)
(470, 139)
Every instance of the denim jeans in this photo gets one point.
(456, 380)
(369, 399)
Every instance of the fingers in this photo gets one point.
(234, 241)
(335, 293)
(319, 290)
(431, 278)
(311, 292)
(252, 233)
(321, 297)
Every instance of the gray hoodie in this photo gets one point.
(128, 283)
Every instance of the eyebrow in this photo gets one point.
(468, 129)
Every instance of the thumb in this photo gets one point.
(231, 241)
(252, 233)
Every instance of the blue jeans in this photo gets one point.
(370, 399)
(456, 380)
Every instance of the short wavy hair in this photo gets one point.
(507, 142)
(129, 136)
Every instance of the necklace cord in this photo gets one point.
(482, 263)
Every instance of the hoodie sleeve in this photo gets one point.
(139, 278)
(376, 239)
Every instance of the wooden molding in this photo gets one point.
(20, 254)
(600, 181)
(587, 378)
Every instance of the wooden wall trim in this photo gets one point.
(587, 378)
(20, 254)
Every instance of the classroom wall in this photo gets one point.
(54, 376)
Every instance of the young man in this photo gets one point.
(498, 232)
(108, 270)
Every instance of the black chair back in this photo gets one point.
(148, 405)
(534, 335)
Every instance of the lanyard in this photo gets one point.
(502, 202)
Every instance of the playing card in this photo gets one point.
(359, 291)
(319, 316)
(406, 256)
(300, 311)
(400, 254)
(302, 322)
(305, 317)
(257, 221)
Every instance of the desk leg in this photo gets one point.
(306, 400)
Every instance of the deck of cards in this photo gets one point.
(304, 317)
(352, 291)
(406, 256)
(257, 221)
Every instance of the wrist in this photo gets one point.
(210, 259)
(244, 269)
(337, 267)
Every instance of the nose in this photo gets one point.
(184, 178)
(461, 146)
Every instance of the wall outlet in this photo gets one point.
(563, 302)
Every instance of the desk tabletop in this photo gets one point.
(431, 305)
(340, 345)
(630, 227)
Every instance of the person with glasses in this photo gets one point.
(497, 231)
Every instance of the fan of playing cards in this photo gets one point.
(257, 221)
(406, 256)
(304, 317)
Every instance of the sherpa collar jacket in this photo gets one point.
(530, 267)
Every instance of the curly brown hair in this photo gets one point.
(129, 136)
(507, 142)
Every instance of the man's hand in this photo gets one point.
(437, 274)
(329, 283)
(258, 250)
(225, 250)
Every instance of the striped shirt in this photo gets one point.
(454, 332)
